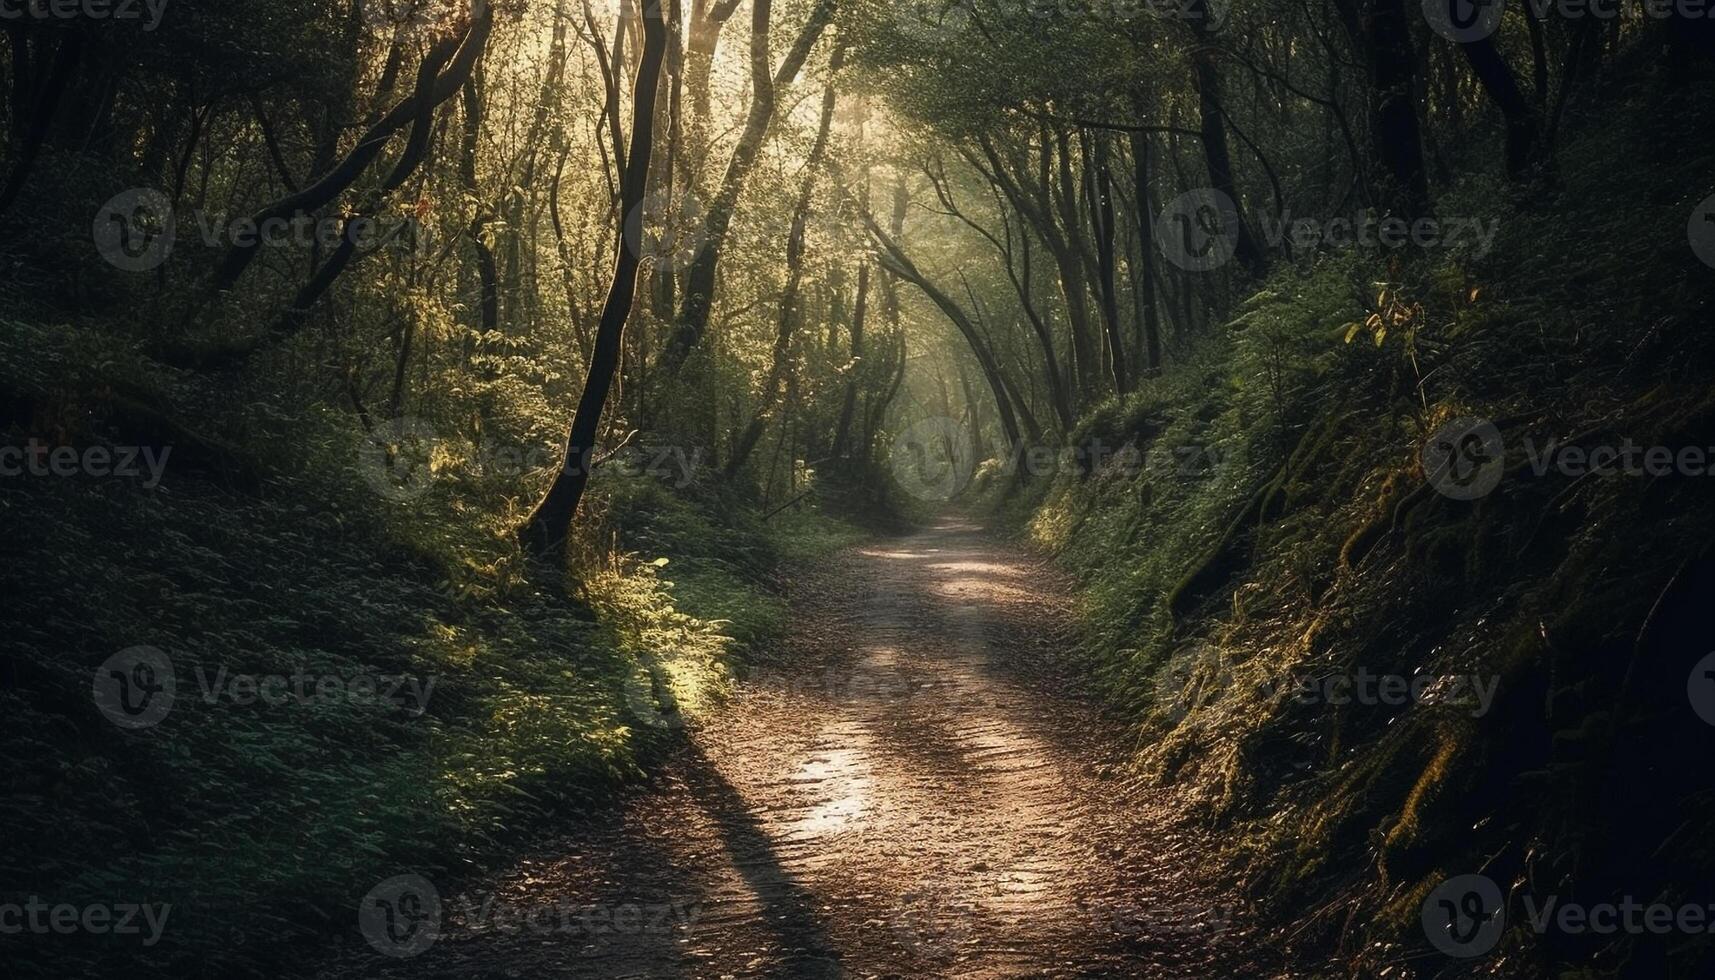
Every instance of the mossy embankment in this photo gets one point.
(1274, 530)
(261, 810)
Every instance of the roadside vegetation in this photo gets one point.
(1257, 530)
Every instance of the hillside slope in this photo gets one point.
(1380, 672)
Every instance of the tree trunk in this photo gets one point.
(1021, 283)
(842, 433)
(1032, 205)
(343, 175)
(488, 275)
(699, 284)
(59, 77)
(1393, 109)
(1102, 216)
(1521, 120)
(897, 262)
(782, 354)
(545, 534)
(1219, 158)
(1146, 250)
(702, 39)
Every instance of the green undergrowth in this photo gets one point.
(1277, 527)
(263, 823)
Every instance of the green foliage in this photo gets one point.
(1314, 549)
(263, 823)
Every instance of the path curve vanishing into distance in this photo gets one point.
(902, 796)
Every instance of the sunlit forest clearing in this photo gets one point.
(873, 488)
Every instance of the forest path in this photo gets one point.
(903, 796)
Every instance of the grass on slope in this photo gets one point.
(263, 820)
(1310, 547)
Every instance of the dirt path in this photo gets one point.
(903, 799)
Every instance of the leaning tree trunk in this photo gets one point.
(1213, 127)
(1523, 123)
(1033, 205)
(544, 535)
(1022, 285)
(346, 253)
(1074, 262)
(894, 259)
(444, 86)
(699, 284)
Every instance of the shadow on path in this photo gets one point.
(788, 909)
